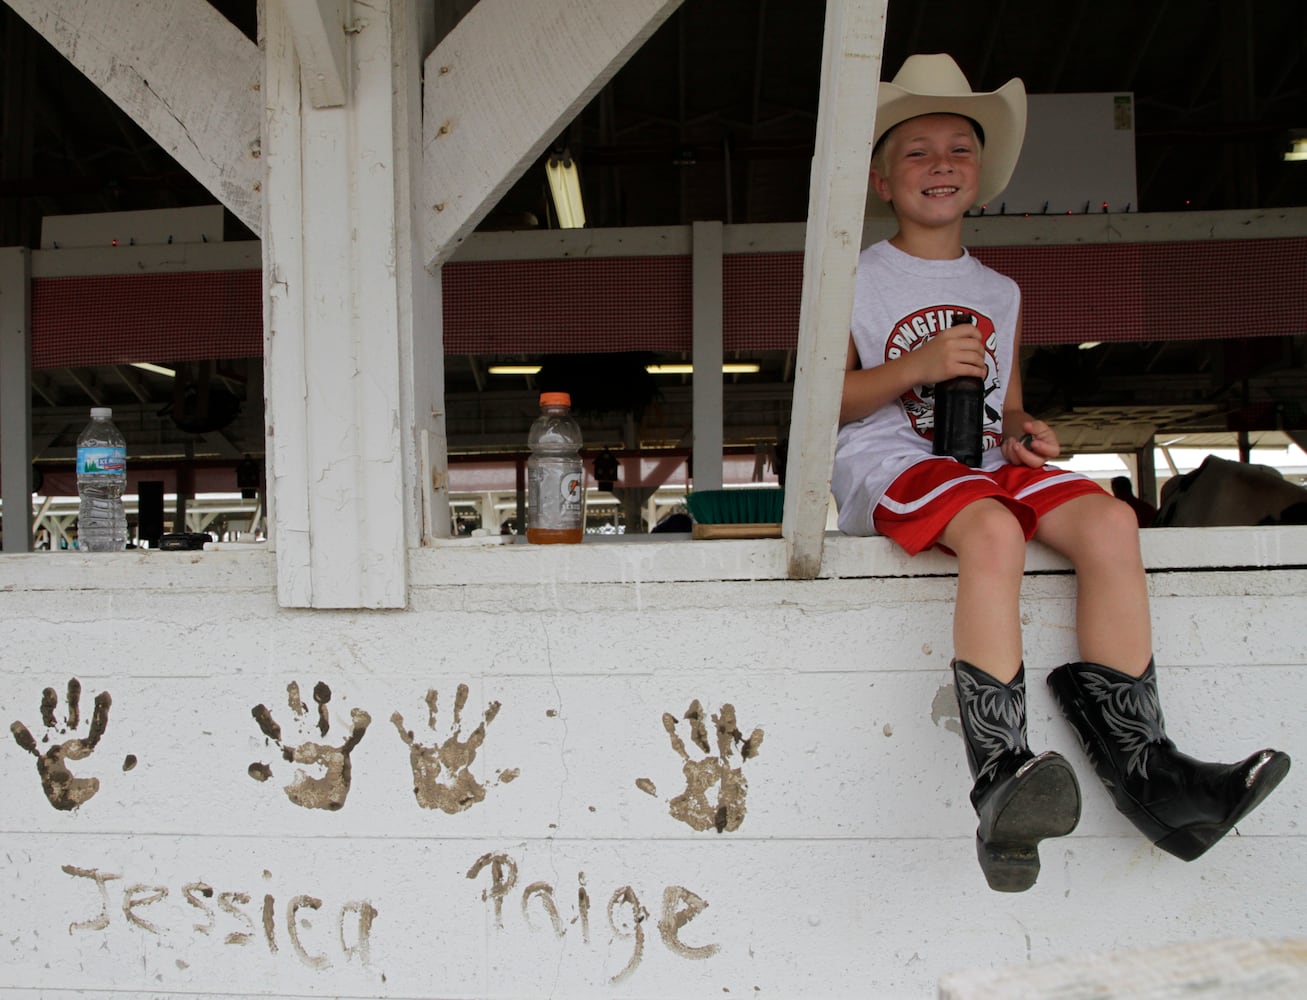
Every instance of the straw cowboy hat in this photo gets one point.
(933, 84)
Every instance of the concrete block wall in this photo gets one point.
(564, 828)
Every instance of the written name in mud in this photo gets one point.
(319, 933)
(625, 913)
(234, 916)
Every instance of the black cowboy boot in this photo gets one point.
(1182, 805)
(1020, 798)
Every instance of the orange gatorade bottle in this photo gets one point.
(555, 475)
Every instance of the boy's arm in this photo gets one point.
(1026, 441)
(955, 351)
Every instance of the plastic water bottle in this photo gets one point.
(555, 476)
(101, 479)
(960, 414)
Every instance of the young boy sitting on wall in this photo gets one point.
(926, 311)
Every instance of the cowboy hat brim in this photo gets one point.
(933, 84)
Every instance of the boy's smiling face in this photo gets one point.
(929, 169)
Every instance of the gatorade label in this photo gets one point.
(555, 497)
(569, 489)
(101, 461)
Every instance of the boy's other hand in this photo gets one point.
(1036, 445)
(955, 351)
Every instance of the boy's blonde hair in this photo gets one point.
(878, 153)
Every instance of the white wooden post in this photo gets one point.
(16, 397)
(850, 74)
(182, 71)
(421, 315)
(332, 263)
(707, 313)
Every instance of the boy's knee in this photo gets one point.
(1116, 519)
(992, 530)
(1111, 532)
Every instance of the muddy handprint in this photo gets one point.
(330, 789)
(442, 776)
(63, 789)
(701, 776)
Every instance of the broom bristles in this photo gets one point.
(763, 505)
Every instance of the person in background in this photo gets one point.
(925, 311)
(1124, 491)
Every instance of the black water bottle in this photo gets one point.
(960, 414)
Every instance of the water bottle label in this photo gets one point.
(101, 461)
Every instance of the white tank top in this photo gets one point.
(899, 303)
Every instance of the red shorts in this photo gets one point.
(920, 503)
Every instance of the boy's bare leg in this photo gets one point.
(1100, 535)
(991, 551)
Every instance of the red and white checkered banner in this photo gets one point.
(568, 306)
(120, 319)
(1217, 289)
(1226, 289)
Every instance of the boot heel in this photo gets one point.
(1192, 842)
(1008, 867)
(1041, 800)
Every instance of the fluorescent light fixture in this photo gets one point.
(514, 369)
(1089, 345)
(157, 369)
(565, 185)
(1297, 148)
(729, 368)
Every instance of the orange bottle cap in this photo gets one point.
(555, 399)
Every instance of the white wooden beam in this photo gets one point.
(318, 29)
(499, 88)
(182, 71)
(422, 357)
(337, 422)
(16, 397)
(850, 74)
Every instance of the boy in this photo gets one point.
(925, 311)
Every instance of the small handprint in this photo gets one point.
(62, 789)
(330, 790)
(692, 805)
(459, 788)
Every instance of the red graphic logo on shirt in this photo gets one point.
(918, 328)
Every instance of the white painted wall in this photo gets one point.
(851, 872)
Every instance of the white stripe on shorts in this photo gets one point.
(1043, 484)
(897, 507)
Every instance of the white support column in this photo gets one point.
(421, 313)
(16, 396)
(850, 74)
(707, 319)
(337, 347)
